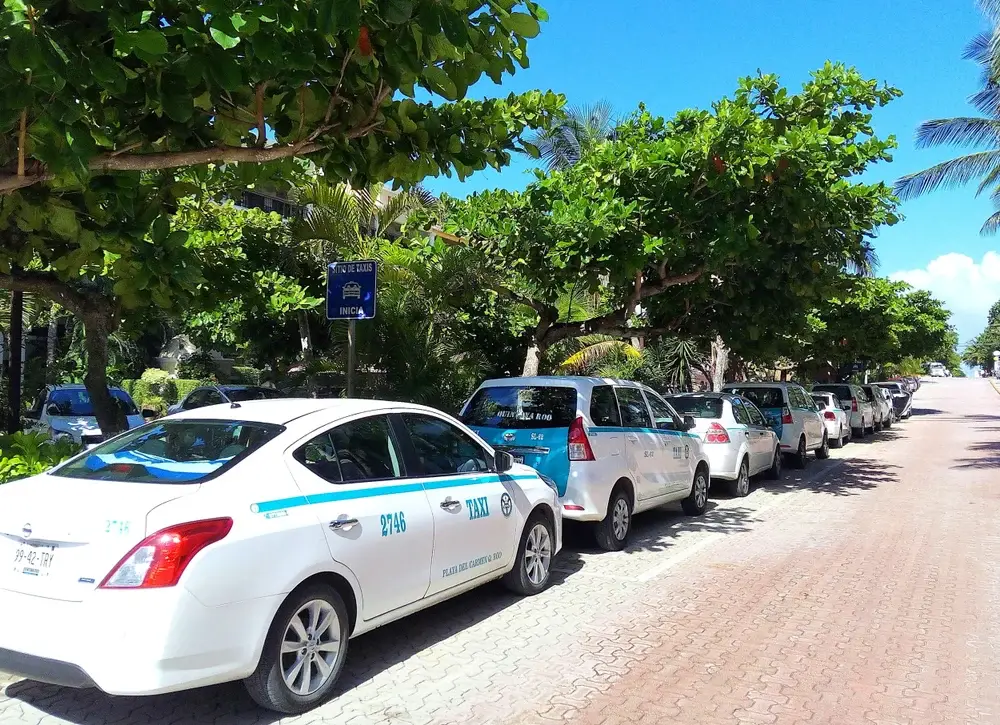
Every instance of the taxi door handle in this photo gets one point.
(633, 439)
(450, 505)
(343, 524)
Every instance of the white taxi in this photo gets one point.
(253, 540)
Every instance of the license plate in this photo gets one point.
(32, 560)
(517, 458)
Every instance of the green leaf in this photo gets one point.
(24, 52)
(62, 220)
(440, 82)
(152, 42)
(533, 151)
(178, 105)
(521, 23)
(223, 39)
(225, 71)
(398, 12)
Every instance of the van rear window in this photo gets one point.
(843, 392)
(696, 406)
(518, 406)
(763, 397)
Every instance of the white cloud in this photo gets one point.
(966, 287)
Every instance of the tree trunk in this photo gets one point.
(539, 344)
(305, 336)
(16, 353)
(720, 363)
(51, 342)
(110, 415)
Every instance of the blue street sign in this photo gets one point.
(350, 290)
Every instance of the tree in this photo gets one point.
(109, 103)
(674, 213)
(976, 132)
(568, 139)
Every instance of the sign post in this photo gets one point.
(350, 295)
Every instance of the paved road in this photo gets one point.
(866, 590)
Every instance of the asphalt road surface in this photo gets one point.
(865, 589)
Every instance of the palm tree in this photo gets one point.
(975, 132)
(583, 127)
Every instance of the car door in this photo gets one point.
(644, 451)
(472, 506)
(765, 439)
(674, 443)
(750, 434)
(805, 415)
(377, 523)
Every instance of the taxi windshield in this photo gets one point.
(180, 451)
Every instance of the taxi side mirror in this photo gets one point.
(502, 461)
(689, 422)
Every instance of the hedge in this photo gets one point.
(156, 387)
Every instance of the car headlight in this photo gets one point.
(549, 482)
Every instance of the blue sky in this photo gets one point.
(673, 54)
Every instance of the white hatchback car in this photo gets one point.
(252, 541)
(792, 414)
(612, 447)
(836, 419)
(737, 438)
(852, 398)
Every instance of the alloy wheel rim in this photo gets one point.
(700, 491)
(538, 555)
(310, 648)
(744, 482)
(620, 519)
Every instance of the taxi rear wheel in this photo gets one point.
(304, 652)
(612, 532)
(533, 569)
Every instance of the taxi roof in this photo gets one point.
(284, 410)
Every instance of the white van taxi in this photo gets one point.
(253, 540)
(612, 447)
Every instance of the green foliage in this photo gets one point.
(714, 219)
(154, 383)
(26, 454)
(155, 403)
(199, 365)
(244, 375)
(184, 387)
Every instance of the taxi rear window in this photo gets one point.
(763, 397)
(178, 451)
(695, 406)
(522, 406)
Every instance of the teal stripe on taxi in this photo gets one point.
(413, 486)
(616, 429)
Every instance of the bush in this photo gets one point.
(128, 385)
(184, 387)
(30, 453)
(246, 375)
(154, 383)
(198, 366)
(156, 404)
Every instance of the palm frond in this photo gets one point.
(865, 262)
(987, 99)
(963, 131)
(948, 174)
(991, 8)
(562, 145)
(593, 351)
(398, 206)
(992, 225)
(978, 49)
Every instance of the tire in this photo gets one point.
(888, 424)
(800, 457)
(877, 428)
(612, 535)
(533, 568)
(697, 501)
(774, 472)
(838, 442)
(269, 684)
(741, 486)
(858, 432)
(823, 452)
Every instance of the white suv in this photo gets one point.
(855, 400)
(612, 447)
(792, 414)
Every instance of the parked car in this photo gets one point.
(792, 414)
(65, 411)
(218, 394)
(902, 400)
(937, 370)
(852, 398)
(613, 448)
(883, 406)
(835, 418)
(738, 441)
(252, 543)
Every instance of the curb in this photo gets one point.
(995, 384)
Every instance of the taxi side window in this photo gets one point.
(443, 449)
(604, 407)
(633, 408)
(740, 412)
(663, 413)
(362, 450)
(756, 417)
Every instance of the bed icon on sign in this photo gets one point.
(351, 290)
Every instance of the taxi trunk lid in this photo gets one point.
(544, 449)
(59, 537)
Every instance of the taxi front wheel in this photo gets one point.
(533, 568)
(304, 652)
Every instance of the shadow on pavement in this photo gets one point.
(370, 655)
(849, 479)
(926, 411)
(980, 462)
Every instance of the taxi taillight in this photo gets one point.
(159, 560)
(578, 443)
